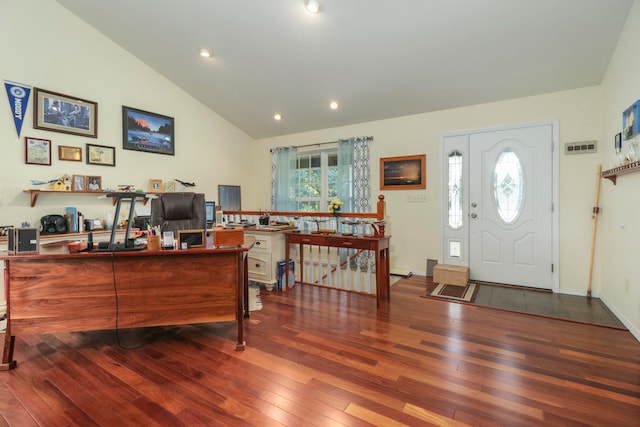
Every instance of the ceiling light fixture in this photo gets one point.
(277, 117)
(333, 105)
(313, 6)
(205, 53)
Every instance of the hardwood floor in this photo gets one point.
(320, 357)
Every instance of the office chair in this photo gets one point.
(179, 211)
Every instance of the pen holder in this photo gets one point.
(153, 243)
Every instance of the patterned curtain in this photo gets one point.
(354, 188)
(283, 161)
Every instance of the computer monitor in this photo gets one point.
(210, 212)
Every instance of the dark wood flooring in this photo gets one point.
(319, 357)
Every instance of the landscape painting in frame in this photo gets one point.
(146, 131)
(403, 173)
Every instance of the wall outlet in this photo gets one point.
(417, 198)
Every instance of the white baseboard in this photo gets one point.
(634, 331)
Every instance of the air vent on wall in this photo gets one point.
(581, 147)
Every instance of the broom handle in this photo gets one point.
(596, 210)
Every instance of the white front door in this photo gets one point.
(506, 231)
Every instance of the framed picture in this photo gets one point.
(169, 186)
(403, 173)
(37, 151)
(155, 186)
(229, 197)
(94, 183)
(73, 154)
(79, 183)
(145, 131)
(63, 113)
(101, 155)
(190, 238)
(618, 143)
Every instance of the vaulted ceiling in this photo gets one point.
(377, 58)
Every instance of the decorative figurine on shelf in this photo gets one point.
(186, 184)
(66, 182)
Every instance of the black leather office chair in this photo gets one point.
(178, 211)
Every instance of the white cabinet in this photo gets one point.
(264, 256)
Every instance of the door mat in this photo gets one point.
(465, 293)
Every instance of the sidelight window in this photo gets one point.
(455, 190)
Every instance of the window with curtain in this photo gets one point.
(307, 180)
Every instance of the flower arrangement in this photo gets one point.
(334, 207)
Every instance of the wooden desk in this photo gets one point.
(378, 244)
(113, 290)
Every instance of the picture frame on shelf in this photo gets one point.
(57, 112)
(147, 131)
(101, 155)
(403, 172)
(94, 183)
(170, 186)
(79, 183)
(618, 143)
(155, 186)
(37, 151)
(68, 153)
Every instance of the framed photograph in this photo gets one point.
(63, 113)
(145, 131)
(37, 151)
(191, 238)
(101, 155)
(229, 197)
(94, 183)
(79, 183)
(155, 186)
(403, 173)
(169, 186)
(618, 143)
(73, 154)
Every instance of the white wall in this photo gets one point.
(415, 226)
(619, 225)
(43, 45)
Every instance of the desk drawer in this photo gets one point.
(340, 242)
(259, 266)
(262, 244)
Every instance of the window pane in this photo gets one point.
(508, 186)
(455, 190)
(315, 161)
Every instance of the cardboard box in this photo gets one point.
(228, 236)
(451, 274)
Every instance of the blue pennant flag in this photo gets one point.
(18, 99)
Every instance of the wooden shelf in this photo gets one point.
(612, 174)
(35, 193)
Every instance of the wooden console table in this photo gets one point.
(379, 244)
(62, 292)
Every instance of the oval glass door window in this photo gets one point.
(508, 186)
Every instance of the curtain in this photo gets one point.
(283, 161)
(354, 188)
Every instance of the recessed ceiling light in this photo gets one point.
(313, 6)
(205, 53)
(277, 117)
(333, 105)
